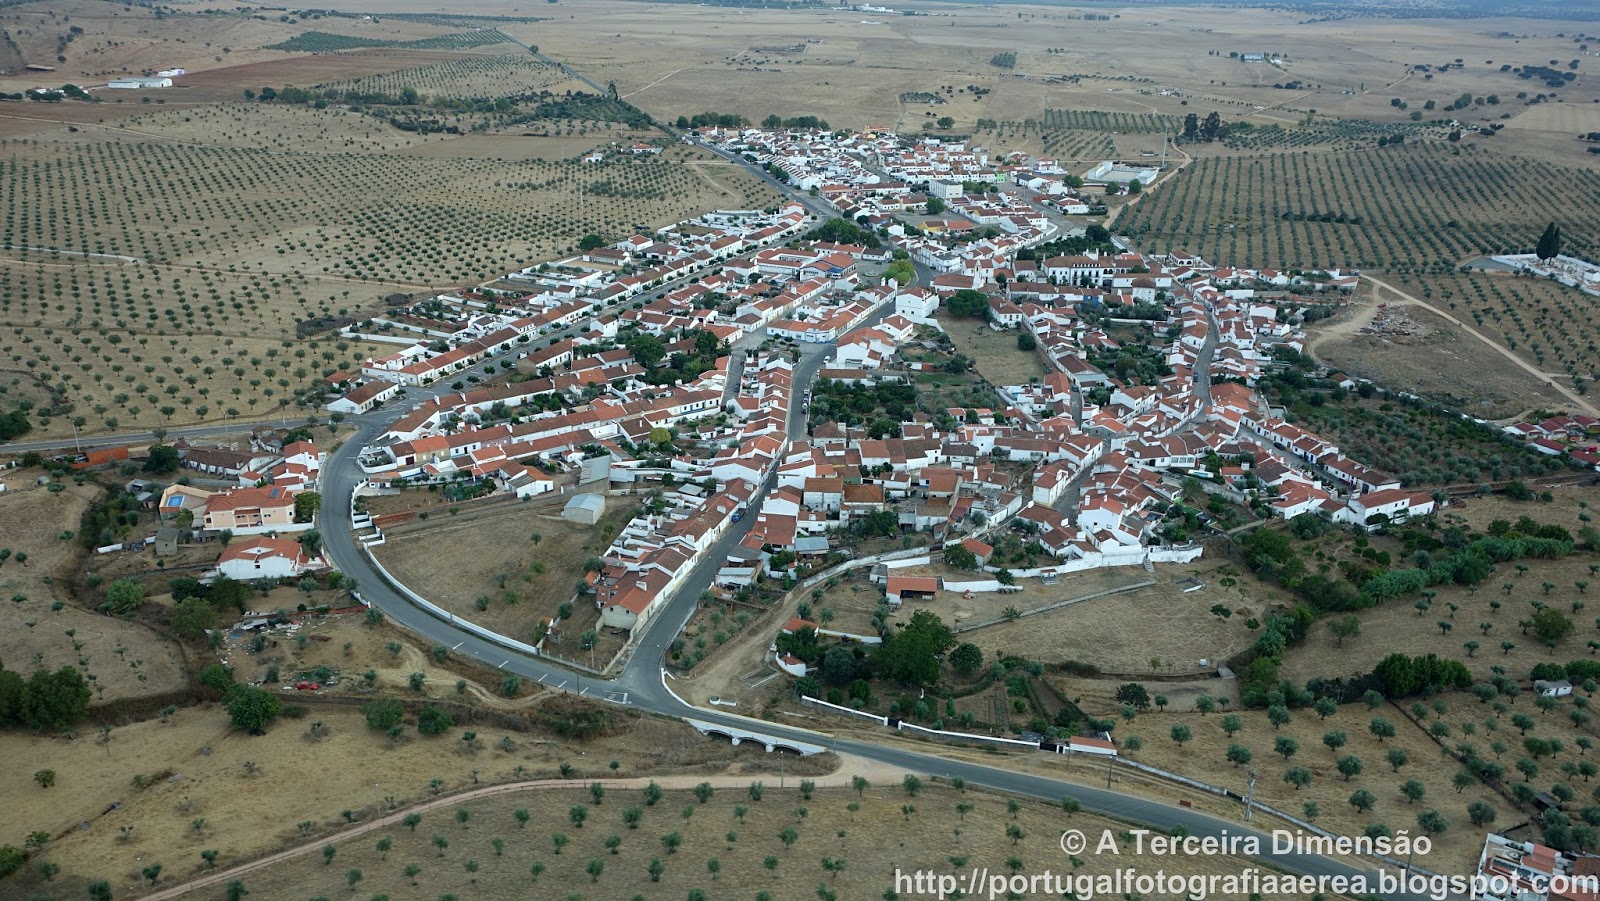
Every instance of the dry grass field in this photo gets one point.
(298, 788)
(721, 851)
(40, 628)
(1440, 362)
(489, 570)
(995, 354)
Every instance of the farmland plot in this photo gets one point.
(483, 76)
(1426, 207)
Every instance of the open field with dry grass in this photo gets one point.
(41, 628)
(720, 851)
(1441, 362)
(995, 354)
(245, 814)
(489, 570)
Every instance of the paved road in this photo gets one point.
(93, 441)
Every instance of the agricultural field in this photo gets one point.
(1328, 799)
(727, 845)
(1425, 208)
(272, 237)
(503, 75)
(187, 782)
(1437, 360)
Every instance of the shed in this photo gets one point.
(166, 542)
(910, 588)
(584, 508)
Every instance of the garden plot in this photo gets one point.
(995, 354)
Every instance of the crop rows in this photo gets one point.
(1096, 120)
(322, 42)
(1555, 327)
(389, 219)
(1341, 133)
(1078, 145)
(1420, 208)
(482, 76)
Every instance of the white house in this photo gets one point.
(262, 557)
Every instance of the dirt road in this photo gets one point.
(849, 767)
(1569, 394)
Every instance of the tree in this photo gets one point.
(1381, 728)
(935, 206)
(1549, 246)
(193, 617)
(1432, 821)
(966, 659)
(1297, 776)
(1343, 627)
(163, 459)
(306, 505)
(1480, 813)
(591, 242)
(1239, 755)
(1362, 800)
(310, 542)
(1285, 746)
(1551, 625)
(911, 655)
(433, 721)
(54, 700)
(383, 715)
(1348, 765)
(1181, 734)
(250, 708)
(124, 596)
(960, 558)
(968, 302)
(1413, 790)
(648, 350)
(45, 778)
(1134, 694)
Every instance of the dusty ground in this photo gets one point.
(245, 815)
(125, 659)
(454, 563)
(1441, 363)
(924, 837)
(996, 354)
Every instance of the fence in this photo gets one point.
(1056, 606)
(1020, 745)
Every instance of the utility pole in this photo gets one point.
(1111, 762)
(1250, 799)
